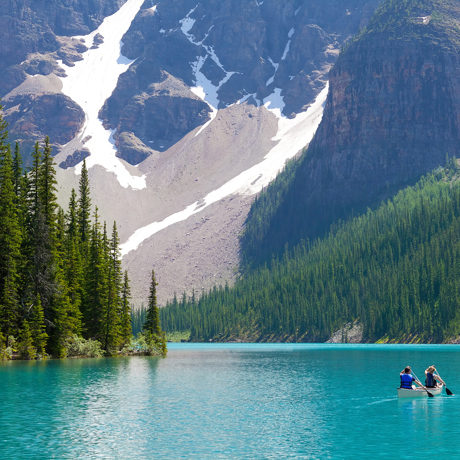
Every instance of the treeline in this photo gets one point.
(395, 270)
(60, 272)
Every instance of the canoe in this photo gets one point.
(418, 392)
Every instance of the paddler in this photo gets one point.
(407, 378)
(432, 380)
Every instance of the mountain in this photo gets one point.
(392, 115)
(183, 110)
(35, 36)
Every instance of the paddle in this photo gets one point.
(430, 395)
(448, 392)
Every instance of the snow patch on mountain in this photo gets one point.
(92, 80)
(286, 50)
(272, 78)
(293, 135)
(204, 88)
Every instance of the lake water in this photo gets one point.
(232, 401)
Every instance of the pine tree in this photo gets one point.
(84, 206)
(111, 315)
(25, 344)
(125, 320)
(95, 284)
(47, 187)
(10, 241)
(155, 336)
(3, 354)
(17, 170)
(37, 328)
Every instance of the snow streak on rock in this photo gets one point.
(293, 135)
(203, 88)
(275, 65)
(91, 81)
(286, 50)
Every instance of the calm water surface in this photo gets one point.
(235, 401)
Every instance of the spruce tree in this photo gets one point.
(111, 315)
(125, 321)
(47, 187)
(95, 284)
(84, 206)
(25, 343)
(37, 328)
(17, 170)
(155, 336)
(10, 241)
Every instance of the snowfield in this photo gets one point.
(91, 81)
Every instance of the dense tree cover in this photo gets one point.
(395, 270)
(138, 317)
(61, 281)
(283, 215)
(263, 218)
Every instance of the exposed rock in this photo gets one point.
(75, 158)
(40, 64)
(31, 117)
(238, 46)
(97, 40)
(158, 117)
(70, 51)
(131, 148)
(350, 333)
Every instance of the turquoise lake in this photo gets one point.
(232, 401)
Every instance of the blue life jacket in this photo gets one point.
(406, 381)
(430, 380)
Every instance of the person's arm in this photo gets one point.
(439, 379)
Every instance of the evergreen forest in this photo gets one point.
(62, 289)
(393, 270)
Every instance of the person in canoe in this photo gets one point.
(433, 380)
(407, 378)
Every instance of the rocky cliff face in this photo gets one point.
(239, 50)
(392, 113)
(32, 36)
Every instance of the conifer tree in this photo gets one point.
(17, 170)
(95, 284)
(72, 217)
(37, 328)
(84, 206)
(125, 321)
(25, 344)
(111, 316)
(155, 336)
(10, 241)
(34, 186)
(47, 187)
(72, 263)
(3, 354)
